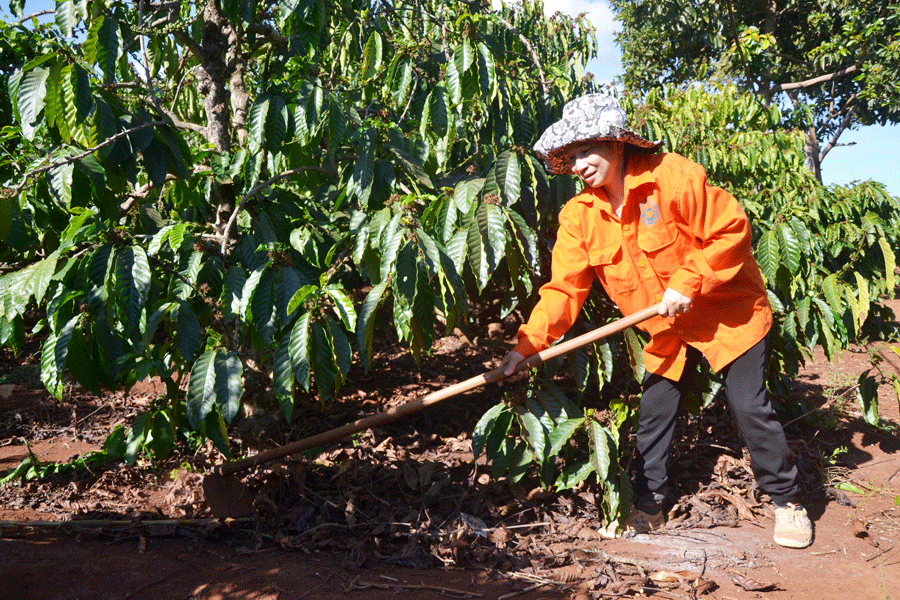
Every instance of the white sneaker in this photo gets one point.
(792, 526)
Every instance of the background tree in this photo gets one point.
(828, 64)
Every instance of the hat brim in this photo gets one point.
(558, 160)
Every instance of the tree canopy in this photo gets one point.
(832, 62)
(197, 190)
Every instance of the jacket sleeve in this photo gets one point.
(560, 298)
(721, 230)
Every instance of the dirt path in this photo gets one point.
(398, 494)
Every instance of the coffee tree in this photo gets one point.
(220, 192)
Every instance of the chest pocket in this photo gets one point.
(616, 277)
(660, 245)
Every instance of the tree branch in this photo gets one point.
(226, 233)
(173, 118)
(144, 191)
(39, 13)
(191, 45)
(784, 87)
(72, 159)
(240, 99)
(390, 9)
(845, 123)
(790, 58)
(180, 83)
(139, 194)
(270, 33)
(531, 51)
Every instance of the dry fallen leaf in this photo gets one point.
(499, 536)
(751, 585)
(664, 577)
(672, 577)
(861, 530)
(587, 533)
(625, 586)
(568, 574)
(688, 580)
(701, 586)
(744, 511)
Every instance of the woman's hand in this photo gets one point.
(509, 364)
(673, 303)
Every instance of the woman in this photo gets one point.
(652, 229)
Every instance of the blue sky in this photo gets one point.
(870, 157)
(876, 148)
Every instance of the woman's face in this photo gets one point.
(596, 163)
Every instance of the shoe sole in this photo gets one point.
(791, 543)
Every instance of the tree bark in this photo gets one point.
(811, 150)
(240, 99)
(217, 42)
(219, 52)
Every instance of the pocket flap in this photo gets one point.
(601, 256)
(653, 239)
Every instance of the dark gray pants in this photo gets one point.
(745, 390)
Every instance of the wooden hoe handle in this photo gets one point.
(418, 404)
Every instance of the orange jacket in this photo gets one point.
(676, 231)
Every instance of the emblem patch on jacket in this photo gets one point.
(649, 212)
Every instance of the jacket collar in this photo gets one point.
(637, 176)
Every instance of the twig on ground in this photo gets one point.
(455, 513)
(530, 578)
(450, 592)
(522, 592)
(84, 418)
(879, 554)
(892, 476)
(730, 541)
(317, 587)
(716, 446)
(100, 523)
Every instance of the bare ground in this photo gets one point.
(403, 512)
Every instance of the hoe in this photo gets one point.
(227, 496)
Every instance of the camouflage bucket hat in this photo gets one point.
(595, 117)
